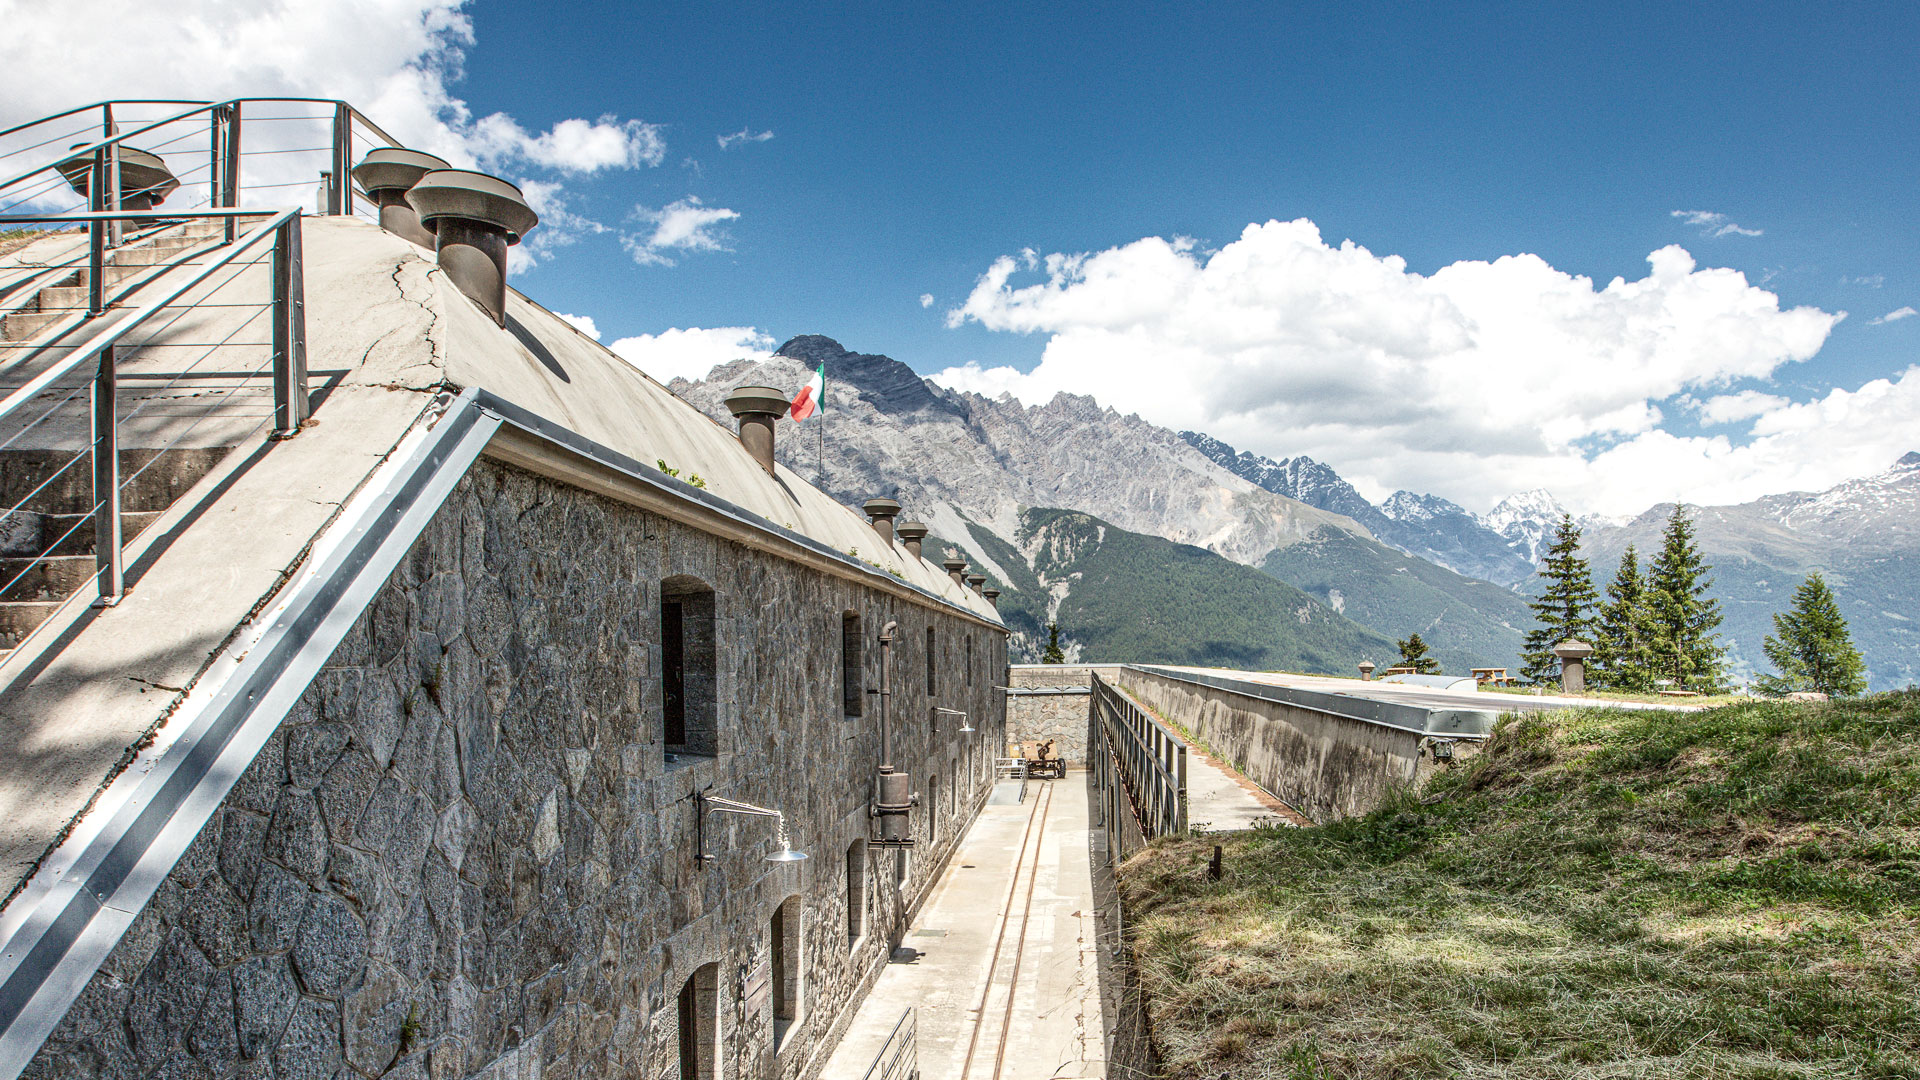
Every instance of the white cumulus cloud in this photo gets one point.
(1894, 316)
(692, 352)
(1713, 224)
(926, 299)
(744, 135)
(396, 60)
(582, 323)
(1733, 408)
(680, 226)
(1479, 380)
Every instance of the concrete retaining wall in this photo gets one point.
(465, 855)
(1324, 764)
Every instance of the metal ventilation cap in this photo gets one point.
(145, 179)
(473, 196)
(758, 401)
(395, 168)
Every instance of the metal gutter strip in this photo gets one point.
(748, 527)
(47, 961)
(1459, 723)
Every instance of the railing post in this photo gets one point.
(110, 129)
(230, 169)
(1180, 778)
(340, 183)
(216, 155)
(97, 235)
(106, 485)
(289, 333)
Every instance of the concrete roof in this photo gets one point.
(388, 338)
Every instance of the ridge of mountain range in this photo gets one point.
(977, 469)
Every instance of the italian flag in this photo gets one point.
(808, 402)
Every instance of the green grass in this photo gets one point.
(1727, 893)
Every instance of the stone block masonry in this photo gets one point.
(466, 853)
(1052, 701)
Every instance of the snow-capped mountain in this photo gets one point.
(1424, 526)
(1527, 520)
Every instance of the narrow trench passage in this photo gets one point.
(1005, 983)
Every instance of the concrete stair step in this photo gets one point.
(18, 618)
(53, 527)
(151, 479)
(24, 326)
(53, 578)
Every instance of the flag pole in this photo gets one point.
(820, 437)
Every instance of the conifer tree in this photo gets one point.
(1564, 608)
(1813, 651)
(1624, 656)
(1413, 654)
(1054, 654)
(1684, 613)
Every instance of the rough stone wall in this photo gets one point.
(1064, 718)
(464, 854)
(1323, 765)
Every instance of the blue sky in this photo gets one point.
(1153, 204)
(910, 150)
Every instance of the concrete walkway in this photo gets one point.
(1428, 697)
(1005, 980)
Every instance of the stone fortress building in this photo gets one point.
(435, 734)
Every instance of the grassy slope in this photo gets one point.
(1466, 622)
(1731, 893)
(1144, 599)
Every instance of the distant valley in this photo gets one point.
(1104, 521)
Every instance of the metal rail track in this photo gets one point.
(1030, 841)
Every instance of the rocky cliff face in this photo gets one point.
(1425, 526)
(953, 457)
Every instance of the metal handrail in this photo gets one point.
(1152, 760)
(101, 104)
(343, 110)
(288, 360)
(899, 1056)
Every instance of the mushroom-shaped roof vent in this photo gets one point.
(474, 196)
(141, 173)
(395, 168)
(757, 401)
(1573, 649)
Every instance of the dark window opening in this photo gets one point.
(673, 672)
(853, 690)
(933, 808)
(969, 659)
(688, 658)
(784, 954)
(930, 650)
(697, 1018)
(856, 890)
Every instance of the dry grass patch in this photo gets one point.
(1732, 893)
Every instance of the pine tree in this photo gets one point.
(1564, 608)
(1054, 654)
(1684, 614)
(1413, 654)
(1813, 651)
(1624, 656)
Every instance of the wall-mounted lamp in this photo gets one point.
(714, 804)
(964, 729)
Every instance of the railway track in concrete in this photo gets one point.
(1003, 979)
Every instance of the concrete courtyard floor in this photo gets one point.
(1003, 964)
(1005, 981)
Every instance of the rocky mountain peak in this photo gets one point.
(1409, 506)
(1908, 460)
(891, 386)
